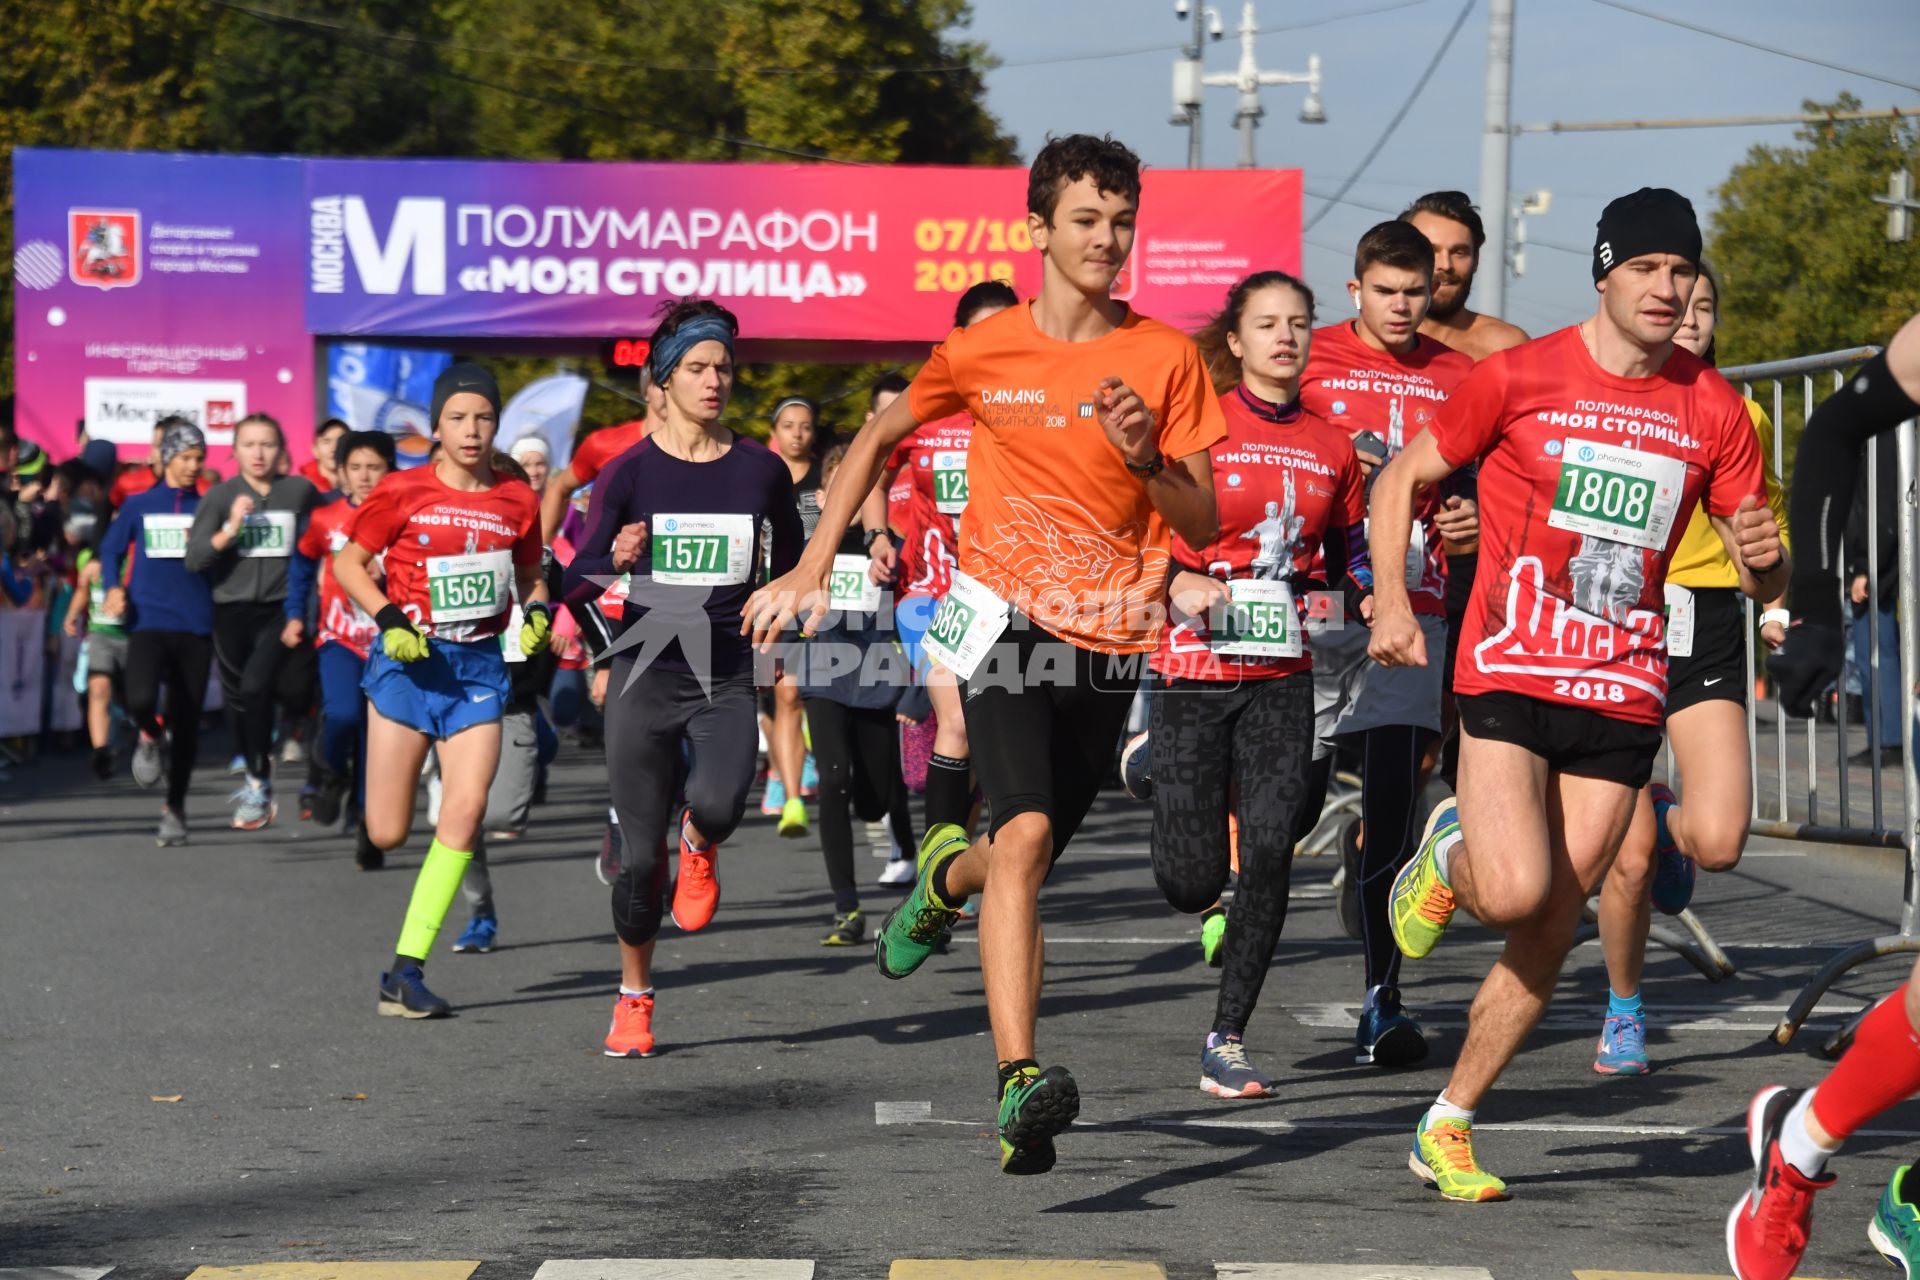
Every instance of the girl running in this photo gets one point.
(1232, 711)
(796, 438)
(172, 612)
(684, 514)
(455, 536)
(243, 535)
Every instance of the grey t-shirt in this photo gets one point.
(253, 568)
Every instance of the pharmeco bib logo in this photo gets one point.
(103, 247)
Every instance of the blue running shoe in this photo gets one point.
(479, 935)
(405, 995)
(1226, 1073)
(1623, 1047)
(1673, 871)
(1895, 1228)
(1386, 1036)
(809, 779)
(774, 799)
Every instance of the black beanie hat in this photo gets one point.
(463, 377)
(1651, 220)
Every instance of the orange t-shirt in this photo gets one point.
(1055, 523)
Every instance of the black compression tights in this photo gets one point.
(1205, 738)
(1390, 811)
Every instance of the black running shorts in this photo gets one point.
(1043, 721)
(1717, 667)
(1570, 739)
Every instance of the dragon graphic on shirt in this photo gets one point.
(1059, 562)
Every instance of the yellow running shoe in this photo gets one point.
(1443, 1155)
(1421, 904)
(793, 818)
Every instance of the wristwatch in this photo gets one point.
(873, 536)
(1149, 469)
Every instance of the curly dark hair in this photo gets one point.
(1452, 205)
(1064, 161)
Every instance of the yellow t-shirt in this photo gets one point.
(1700, 561)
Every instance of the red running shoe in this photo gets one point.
(631, 1033)
(696, 893)
(1768, 1229)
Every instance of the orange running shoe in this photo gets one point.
(696, 894)
(631, 1033)
(1233, 843)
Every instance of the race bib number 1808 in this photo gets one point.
(1624, 495)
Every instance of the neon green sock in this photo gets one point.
(433, 892)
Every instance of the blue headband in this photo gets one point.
(669, 351)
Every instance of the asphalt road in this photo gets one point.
(802, 1107)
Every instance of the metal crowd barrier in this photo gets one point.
(1832, 810)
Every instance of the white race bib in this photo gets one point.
(849, 589)
(467, 588)
(969, 620)
(1623, 495)
(701, 551)
(950, 481)
(1680, 616)
(1260, 623)
(165, 537)
(267, 534)
(510, 638)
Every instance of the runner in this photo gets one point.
(1706, 733)
(242, 537)
(1379, 379)
(1452, 226)
(1065, 452)
(347, 634)
(683, 515)
(1232, 711)
(851, 675)
(795, 439)
(104, 652)
(454, 536)
(143, 559)
(1791, 1139)
(933, 461)
(322, 470)
(592, 456)
(1592, 442)
(535, 457)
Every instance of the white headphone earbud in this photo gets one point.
(1355, 295)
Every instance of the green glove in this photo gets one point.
(534, 631)
(402, 640)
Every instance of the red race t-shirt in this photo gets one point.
(1586, 483)
(341, 620)
(451, 555)
(1396, 397)
(933, 464)
(602, 447)
(1279, 487)
(310, 471)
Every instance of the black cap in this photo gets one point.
(1651, 220)
(463, 377)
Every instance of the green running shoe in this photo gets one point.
(1213, 935)
(1895, 1228)
(1421, 905)
(1443, 1155)
(913, 930)
(1035, 1106)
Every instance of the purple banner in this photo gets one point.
(149, 284)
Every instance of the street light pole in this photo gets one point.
(1188, 70)
(1495, 157)
(1247, 79)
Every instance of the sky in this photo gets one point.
(1574, 60)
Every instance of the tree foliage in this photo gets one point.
(1802, 247)
(864, 81)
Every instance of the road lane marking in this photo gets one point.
(1343, 1271)
(1022, 1269)
(448, 1270)
(53, 1273)
(1335, 1015)
(901, 1112)
(1335, 1124)
(675, 1269)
